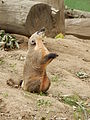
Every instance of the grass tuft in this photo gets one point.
(55, 78)
(83, 5)
(42, 102)
(79, 107)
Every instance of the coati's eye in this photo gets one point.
(33, 42)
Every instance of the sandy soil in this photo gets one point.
(16, 104)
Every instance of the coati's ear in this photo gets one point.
(48, 58)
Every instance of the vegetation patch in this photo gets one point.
(80, 108)
(78, 4)
(42, 102)
(5, 95)
(43, 94)
(7, 41)
(1, 61)
(55, 78)
(60, 35)
(82, 75)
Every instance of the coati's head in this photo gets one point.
(35, 36)
(41, 57)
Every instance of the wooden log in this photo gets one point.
(78, 27)
(73, 13)
(26, 17)
(58, 5)
(82, 14)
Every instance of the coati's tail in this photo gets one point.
(48, 58)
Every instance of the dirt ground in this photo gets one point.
(74, 57)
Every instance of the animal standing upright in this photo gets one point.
(35, 78)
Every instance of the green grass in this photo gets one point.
(78, 4)
(55, 78)
(5, 95)
(1, 61)
(42, 102)
(80, 108)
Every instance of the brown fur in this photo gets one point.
(38, 57)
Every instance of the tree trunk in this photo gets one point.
(26, 17)
(58, 5)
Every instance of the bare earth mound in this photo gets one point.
(16, 104)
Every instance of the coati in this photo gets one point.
(38, 57)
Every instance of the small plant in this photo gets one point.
(55, 78)
(82, 75)
(60, 35)
(12, 66)
(79, 107)
(7, 41)
(42, 102)
(1, 61)
(5, 95)
(43, 94)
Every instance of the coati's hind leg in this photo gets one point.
(13, 83)
(32, 86)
